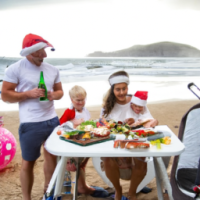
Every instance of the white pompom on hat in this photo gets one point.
(140, 98)
(33, 43)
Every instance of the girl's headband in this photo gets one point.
(119, 79)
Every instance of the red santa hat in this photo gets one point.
(140, 98)
(33, 43)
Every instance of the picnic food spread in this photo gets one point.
(116, 127)
(85, 134)
(92, 132)
(101, 132)
(144, 133)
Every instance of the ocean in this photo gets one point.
(166, 79)
(72, 68)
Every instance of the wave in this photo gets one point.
(94, 67)
(65, 67)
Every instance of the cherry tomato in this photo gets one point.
(59, 132)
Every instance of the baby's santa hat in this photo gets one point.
(140, 98)
(33, 43)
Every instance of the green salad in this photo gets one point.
(83, 124)
(71, 133)
(120, 129)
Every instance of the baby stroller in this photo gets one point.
(189, 127)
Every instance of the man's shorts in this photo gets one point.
(32, 135)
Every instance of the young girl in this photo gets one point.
(140, 110)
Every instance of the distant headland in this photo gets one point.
(160, 49)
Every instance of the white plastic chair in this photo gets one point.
(147, 179)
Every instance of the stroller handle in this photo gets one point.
(192, 89)
(190, 84)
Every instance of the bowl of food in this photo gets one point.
(101, 132)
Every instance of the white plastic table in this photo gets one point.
(58, 147)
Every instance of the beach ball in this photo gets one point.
(8, 147)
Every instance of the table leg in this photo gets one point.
(53, 178)
(166, 182)
(158, 180)
(75, 196)
(60, 177)
(162, 178)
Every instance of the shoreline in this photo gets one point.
(160, 89)
(92, 107)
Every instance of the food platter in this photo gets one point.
(131, 144)
(93, 132)
(85, 134)
(87, 142)
(149, 134)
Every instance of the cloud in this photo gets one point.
(78, 27)
(173, 4)
(182, 4)
(10, 4)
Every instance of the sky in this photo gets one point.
(79, 27)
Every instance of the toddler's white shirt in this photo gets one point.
(85, 114)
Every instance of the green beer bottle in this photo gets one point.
(43, 86)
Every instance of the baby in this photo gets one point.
(76, 113)
(142, 115)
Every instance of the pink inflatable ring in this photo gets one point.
(8, 147)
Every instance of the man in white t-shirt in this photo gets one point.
(37, 118)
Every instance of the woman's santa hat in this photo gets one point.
(140, 98)
(33, 43)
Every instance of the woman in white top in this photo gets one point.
(117, 107)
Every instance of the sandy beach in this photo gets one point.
(168, 113)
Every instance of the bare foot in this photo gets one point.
(85, 189)
(166, 197)
(133, 197)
